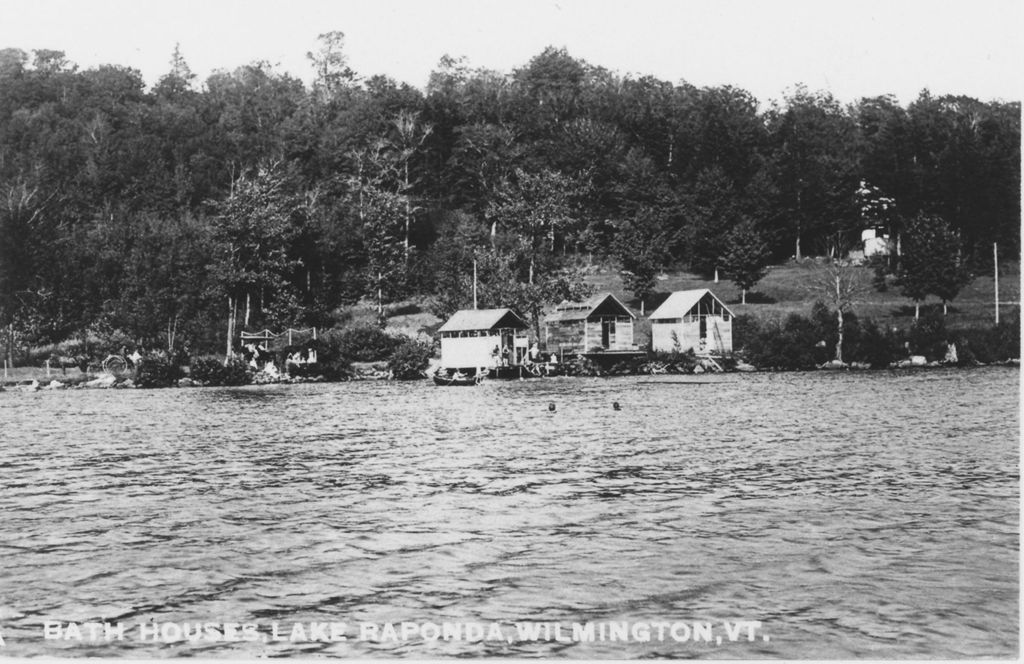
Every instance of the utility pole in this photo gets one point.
(995, 275)
(474, 284)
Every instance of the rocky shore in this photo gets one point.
(378, 371)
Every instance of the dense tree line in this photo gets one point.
(189, 209)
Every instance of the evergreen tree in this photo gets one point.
(746, 256)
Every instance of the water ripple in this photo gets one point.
(856, 515)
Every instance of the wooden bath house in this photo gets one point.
(477, 339)
(598, 325)
(692, 320)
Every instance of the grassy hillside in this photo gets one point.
(784, 290)
(787, 288)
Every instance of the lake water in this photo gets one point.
(868, 515)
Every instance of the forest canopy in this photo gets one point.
(255, 200)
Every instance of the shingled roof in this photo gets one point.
(483, 319)
(680, 303)
(601, 303)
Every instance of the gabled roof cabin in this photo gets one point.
(692, 320)
(483, 339)
(601, 323)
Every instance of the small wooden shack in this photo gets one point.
(476, 338)
(692, 320)
(599, 324)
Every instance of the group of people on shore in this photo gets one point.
(541, 364)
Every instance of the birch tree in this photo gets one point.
(839, 284)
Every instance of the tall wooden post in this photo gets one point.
(231, 329)
(474, 284)
(380, 298)
(995, 275)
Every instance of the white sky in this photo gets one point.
(852, 48)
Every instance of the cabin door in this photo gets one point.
(703, 332)
(607, 333)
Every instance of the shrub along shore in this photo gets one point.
(794, 343)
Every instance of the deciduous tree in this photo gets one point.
(932, 262)
(252, 230)
(840, 284)
(746, 256)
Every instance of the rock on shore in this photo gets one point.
(104, 381)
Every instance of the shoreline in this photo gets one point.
(90, 381)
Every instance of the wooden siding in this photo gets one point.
(565, 335)
(724, 330)
(585, 336)
(468, 352)
(687, 331)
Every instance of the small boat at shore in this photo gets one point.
(457, 379)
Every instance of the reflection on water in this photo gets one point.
(855, 515)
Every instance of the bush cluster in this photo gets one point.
(211, 371)
(156, 371)
(804, 342)
(928, 336)
(993, 344)
(410, 359)
(366, 343)
(794, 343)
